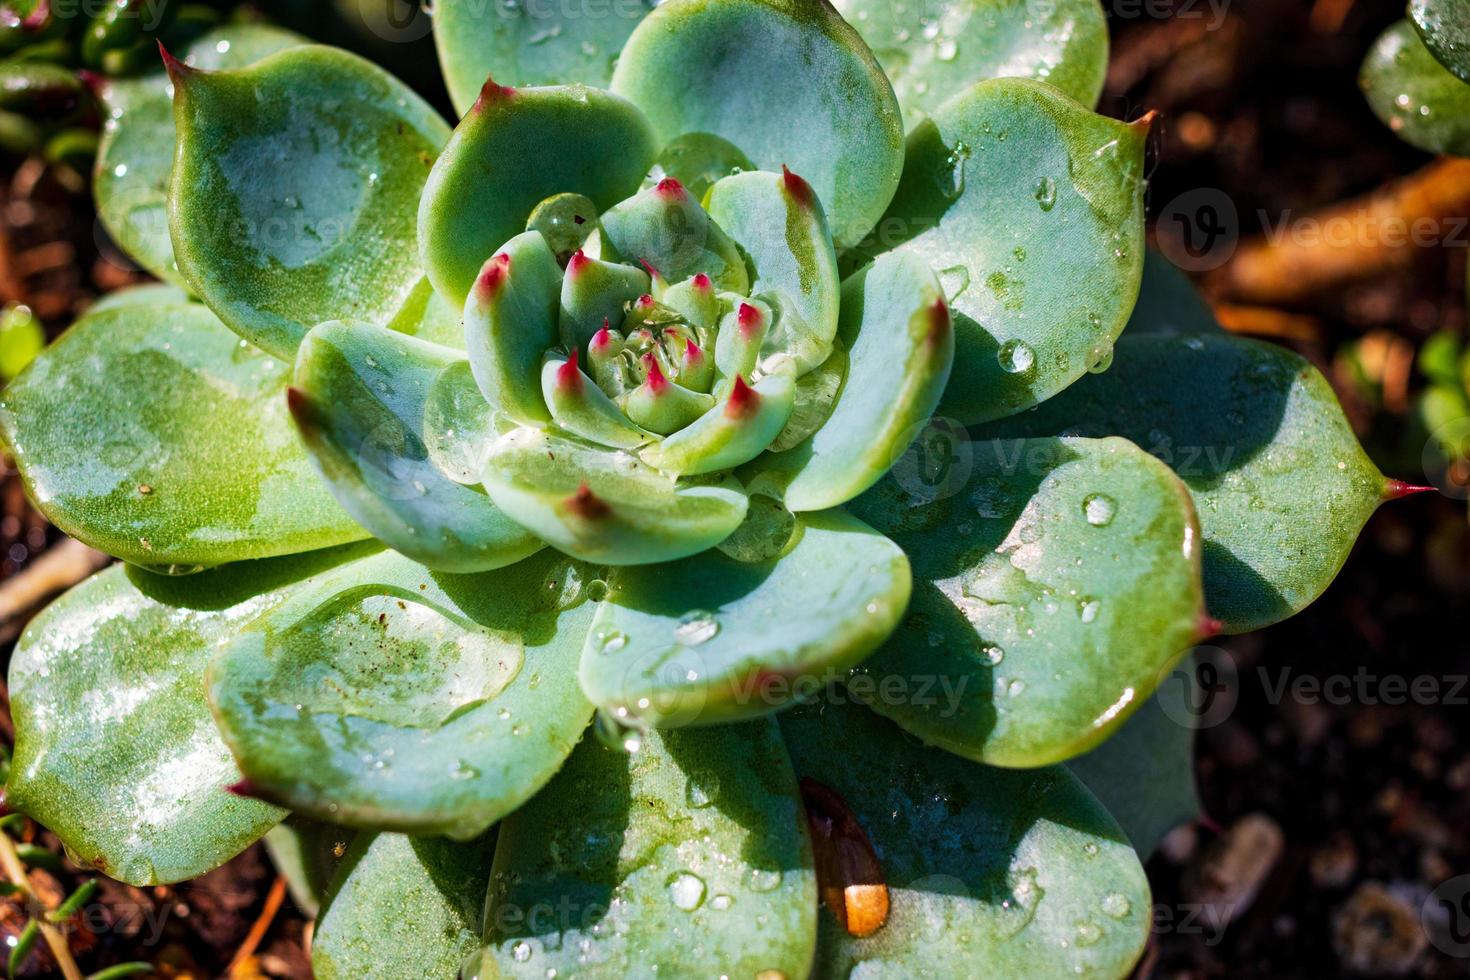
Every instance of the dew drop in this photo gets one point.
(521, 951)
(686, 891)
(1046, 193)
(765, 880)
(1015, 357)
(463, 770)
(946, 49)
(993, 655)
(1099, 509)
(611, 640)
(1088, 610)
(695, 627)
(1116, 904)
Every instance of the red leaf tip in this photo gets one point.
(798, 188)
(656, 381)
(653, 272)
(1145, 122)
(644, 302)
(693, 353)
(177, 70)
(743, 400)
(938, 319)
(749, 319)
(491, 92)
(568, 376)
(577, 262)
(702, 283)
(1398, 489)
(493, 274)
(669, 187)
(1208, 626)
(602, 338)
(243, 788)
(586, 504)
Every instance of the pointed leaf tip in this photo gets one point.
(749, 319)
(669, 187)
(298, 403)
(1209, 626)
(603, 337)
(491, 92)
(1145, 122)
(1398, 489)
(577, 262)
(653, 274)
(244, 788)
(693, 353)
(799, 189)
(657, 383)
(177, 70)
(743, 400)
(568, 376)
(702, 282)
(493, 275)
(587, 505)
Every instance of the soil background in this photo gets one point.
(1329, 819)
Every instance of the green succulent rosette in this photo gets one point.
(695, 516)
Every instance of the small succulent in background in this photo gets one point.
(746, 384)
(1417, 79)
(47, 50)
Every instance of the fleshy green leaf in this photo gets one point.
(787, 82)
(510, 323)
(529, 43)
(604, 506)
(427, 316)
(402, 907)
(1030, 209)
(388, 696)
(1280, 483)
(897, 332)
(153, 433)
(1054, 591)
(782, 230)
(116, 751)
(513, 149)
(307, 854)
(1144, 774)
(362, 402)
(1444, 26)
(665, 227)
(293, 190)
(711, 639)
(930, 51)
(990, 872)
(686, 858)
(136, 152)
(1414, 95)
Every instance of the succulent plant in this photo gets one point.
(653, 410)
(45, 107)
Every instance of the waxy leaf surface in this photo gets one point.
(1414, 95)
(688, 857)
(116, 750)
(990, 872)
(402, 907)
(365, 406)
(153, 433)
(787, 82)
(388, 696)
(1030, 210)
(710, 639)
(932, 50)
(293, 191)
(1280, 483)
(135, 154)
(1053, 591)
